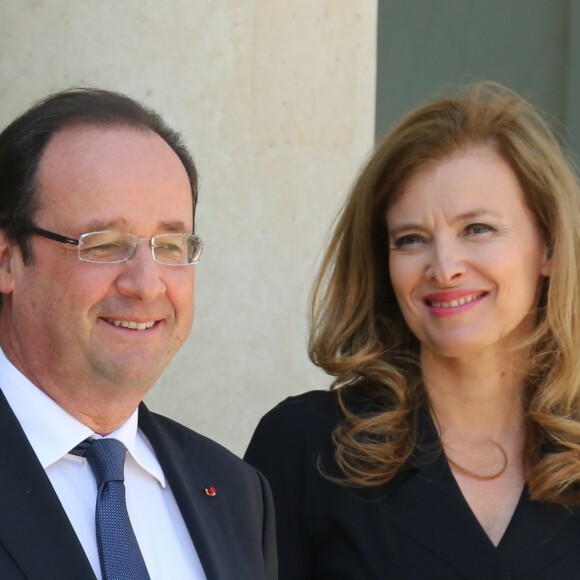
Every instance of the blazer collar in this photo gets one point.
(428, 506)
(538, 534)
(205, 518)
(426, 503)
(34, 527)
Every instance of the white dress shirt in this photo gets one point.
(161, 532)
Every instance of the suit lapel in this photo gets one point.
(427, 505)
(538, 535)
(34, 527)
(429, 508)
(204, 516)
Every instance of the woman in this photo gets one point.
(448, 309)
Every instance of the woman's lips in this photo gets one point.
(447, 303)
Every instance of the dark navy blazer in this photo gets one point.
(233, 532)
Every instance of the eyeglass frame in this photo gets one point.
(72, 242)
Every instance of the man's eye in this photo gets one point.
(107, 246)
(168, 247)
(103, 250)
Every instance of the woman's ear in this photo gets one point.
(546, 268)
(6, 278)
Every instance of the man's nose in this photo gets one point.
(141, 276)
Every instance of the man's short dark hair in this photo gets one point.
(23, 142)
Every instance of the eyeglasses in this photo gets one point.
(110, 247)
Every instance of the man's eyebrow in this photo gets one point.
(100, 225)
(123, 224)
(174, 226)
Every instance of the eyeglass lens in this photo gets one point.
(109, 247)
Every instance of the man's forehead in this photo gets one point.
(91, 149)
(111, 171)
(95, 135)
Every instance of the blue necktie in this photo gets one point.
(119, 551)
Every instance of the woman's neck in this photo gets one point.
(474, 401)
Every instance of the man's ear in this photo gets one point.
(6, 254)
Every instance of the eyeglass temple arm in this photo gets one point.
(52, 235)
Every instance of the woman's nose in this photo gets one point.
(446, 263)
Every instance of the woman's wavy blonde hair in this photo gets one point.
(359, 336)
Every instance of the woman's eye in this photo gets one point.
(407, 241)
(479, 229)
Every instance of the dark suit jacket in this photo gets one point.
(417, 527)
(233, 532)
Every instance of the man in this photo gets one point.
(97, 254)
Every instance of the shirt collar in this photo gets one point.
(53, 432)
(138, 447)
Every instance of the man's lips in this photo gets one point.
(131, 324)
(452, 299)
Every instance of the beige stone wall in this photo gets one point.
(276, 101)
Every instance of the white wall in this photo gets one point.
(276, 101)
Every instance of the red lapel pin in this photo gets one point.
(210, 491)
